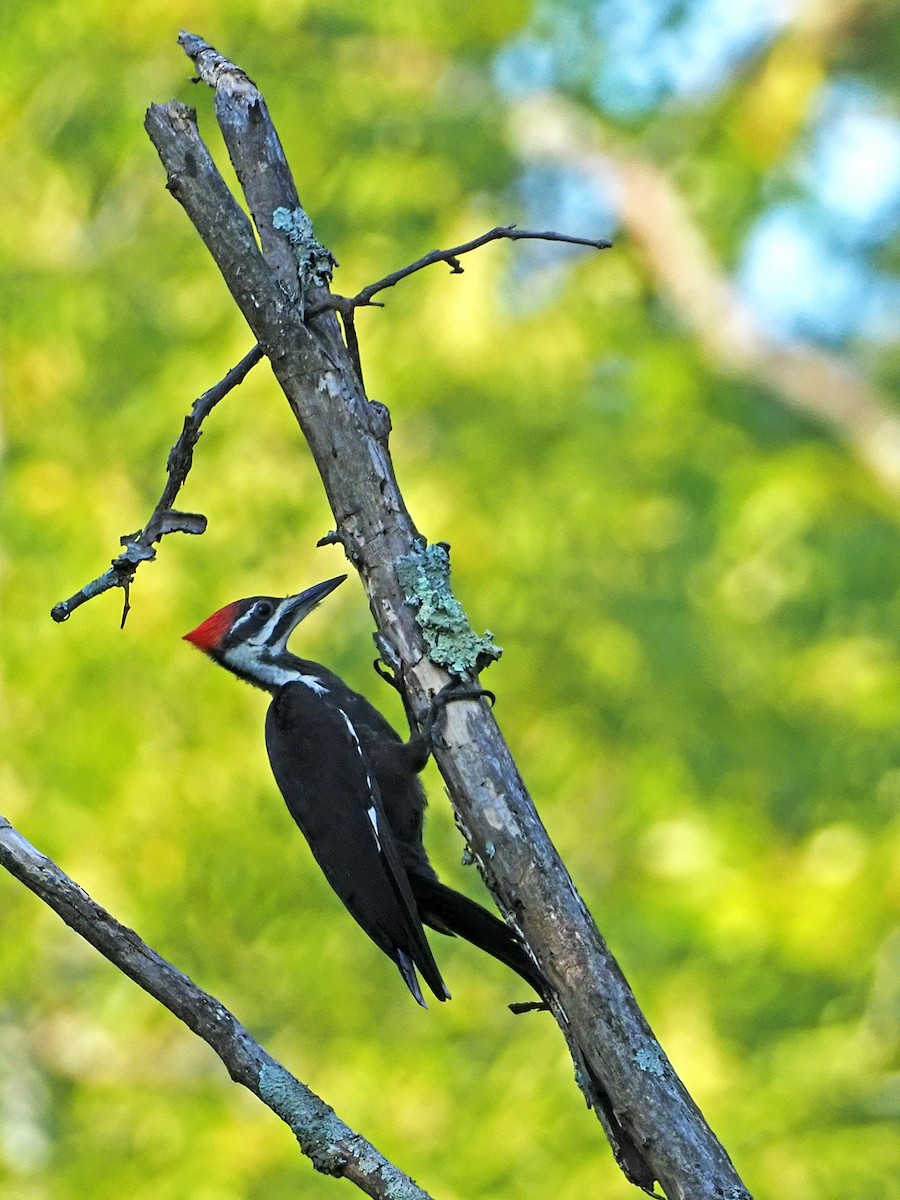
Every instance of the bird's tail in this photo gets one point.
(452, 913)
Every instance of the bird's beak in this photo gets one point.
(293, 609)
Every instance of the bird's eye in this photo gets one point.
(263, 608)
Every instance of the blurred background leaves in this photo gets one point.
(670, 477)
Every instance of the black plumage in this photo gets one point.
(316, 753)
(352, 785)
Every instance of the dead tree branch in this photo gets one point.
(655, 1128)
(139, 547)
(331, 1145)
(345, 304)
(280, 284)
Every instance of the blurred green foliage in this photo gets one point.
(696, 590)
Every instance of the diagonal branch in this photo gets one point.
(139, 547)
(278, 276)
(654, 1126)
(331, 1145)
(347, 305)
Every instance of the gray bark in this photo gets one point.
(656, 1130)
(331, 1145)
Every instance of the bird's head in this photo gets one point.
(249, 637)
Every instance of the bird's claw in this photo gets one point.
(388, 675)
(449, 693)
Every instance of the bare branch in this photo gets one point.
(345, 304)
(281, 285)
(655, 1128)
(300, 263)
(139, 547)
(332, 1147)
(348, 320)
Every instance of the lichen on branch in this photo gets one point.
(424, 574)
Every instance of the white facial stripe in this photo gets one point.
(291, 622)
(262, 638)
(243, 658)
(240, 621)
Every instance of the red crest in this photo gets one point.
(208, 634)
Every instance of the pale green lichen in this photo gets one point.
(315, 262)
(650, 1059)
(424, 575)
(315, 1124)
(325, 1139)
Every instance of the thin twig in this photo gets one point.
(345, 304)
(139, 547)
(330, 1144)
(349, 322)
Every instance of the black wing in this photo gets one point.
(330, 790)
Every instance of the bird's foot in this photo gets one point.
(447, 695)
(422, 734)
(386, 674)
(388, 663)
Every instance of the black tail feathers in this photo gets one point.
(452, 913)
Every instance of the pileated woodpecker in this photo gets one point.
(351, 784)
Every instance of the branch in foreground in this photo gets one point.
(139, 547)
(346, 304)
(331, 1145)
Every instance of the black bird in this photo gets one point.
(351, 784)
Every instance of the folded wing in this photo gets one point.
(330, 790)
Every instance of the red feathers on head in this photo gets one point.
(208, 635)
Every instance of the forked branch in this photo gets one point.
(140, 546)
(654, 1127)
